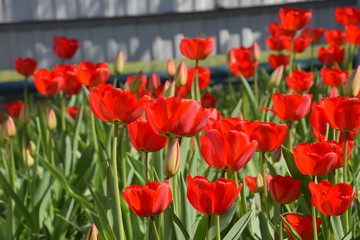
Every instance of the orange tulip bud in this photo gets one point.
(24, 114)
(135, 84)
(170, 68)
(276, 76)
(93, 233)
(154, 81)
(181, 75)
(255, 51)
(169, 89)
(172, 160)
(9, 127)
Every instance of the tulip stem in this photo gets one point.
(312, 57)
(290, 136)
(12, 166)
(52, 147)
(116, 183)
(62, 105)
(291, 55)
(195, 86)
(265, 193)
(346, 214)
(145, 159)
(208, 227)
(328, 229)
(241, 199)
(217, 222)
(256, 85)
(313, 214)
(26, 98)
(154, 227)
(222, 173)
(280, 223)
(95, 139)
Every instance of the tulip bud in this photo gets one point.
(230, 58)
(135, 83)
(28, 158)
(352, 86)
(255, 52)
(119, 63)
(259, 183)
(9, 127)
(93, 233)
(154, 81)
(24, 114)
(172, 160)
(169, 89)
(276, 154)
(51, 120)
(170, 68)
(276, 77)
(32, 148)
(181, 75)
(334, 92)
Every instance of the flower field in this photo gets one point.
(181, 159)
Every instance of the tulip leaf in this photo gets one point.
(239, 227)
(293, 232)
(178, 223)
(250, 93)
(336, 225)
(236, 110)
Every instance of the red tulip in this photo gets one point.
(330, 199)
(203, 75)
(317, 122)
(347, 16)
(197, 48)
(25, 66)
(228, 151)
(277, 30)
(225, 124)
(208, 101)
(250, 182)
(330, 56)
(115, 105)
(335, 37)
(90, 74)
(276, 43)
(299, 44)
(353, 34)
(294, 19)
(342, 113)
(212, 198)
(49, 83)
(143, 138)
(72, 84)
(290, 106)
(333, 77)
(73, 112)
(299, 80)
(241, 54)
(314, 33)
(14, 108)
(284, 189)
(176, 117)
(301, 225)
(276, 61)
(140, 86)
(65, 48)
(152, 199)
(245, 68)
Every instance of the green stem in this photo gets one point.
(26, 97)
(154, 227)
(175, 195)
(222, 173)
(256, 86)
(52, 147)
(290, 136)
(313, 213)
(196, 82)
(145, 162)
(217, 222)
(12, 166)
(116, 184)
(241, 207)
(281, 224)
(62, 103)
(346, 214)
(291, 55)
(94, 136)
(312, 58)
(265, 192)
(208, 227)
(328, 229)
(115, 80)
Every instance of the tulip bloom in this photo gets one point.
(212, 198)
(330, 56)
(65, 48)
(115, 105)
(225, 124)
(301, 225)
(203, 75)
(314, 34)
(353, 34)
(347, 16)
(276, 61)
(317, 122)
(73, 112)
(228, 151)
(197, 48)
(25, 67)
(284, 189)
(152, 199)
(300, 44)
(276, 43)
(14, 108)
(335, 37)
(143, 138)
(208, 101)
(277, 30)
(90, 74)
(299, 81)
(334, 77)
(317, 159)
(342, 113)
(290, 106)
(245, 68)
(330, 199)
(49, 83)
(72, 84)
(294, 19)
(176, 117)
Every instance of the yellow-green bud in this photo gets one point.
(119, 63)
(172, 160)
(170, 68)
(352, 86)
(276, 76)
(169, 89)
(24, 114)
(259, 183)
(136, 83)
(255, 52)
(93, 233)
(51, 120)
(9, 127)
(181, 75)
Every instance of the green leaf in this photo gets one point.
(253, 103)
(239, 227)
(179, 223)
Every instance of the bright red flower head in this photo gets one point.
(225, 124)
(14, 108)
(143, 138)
(317, 159)
(49, 83)
(342, 113)
(152, 199)
(290, 106)
(330, 199)
(197, 48)
(335, 37)
(73, 112)
(276, 43)
(300, 44)
(203, 75)
(331, 55)
(299, 80)
(115, 105)
(347, 16)
(333, 76)
(353, 34)
(176, 117)
(314, 33)
(208, 101)
(302, 225)
(241, 54)
(284, 189)
(212, 198)
(25, 67)
(90, 74)
(277, 30)
(317, 122)
(72, 84)
(142, 83)
(65, 48)
(276, 61)
(294, 19)
(228, 151)
(245, 68)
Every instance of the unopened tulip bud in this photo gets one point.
(172, 160)
(352, 86)
(24, 114)
(255, 52)
(230, 58)
(259, 183)
(169, 89)
(28, 158)
(276, 77)
(136, 83)
(51, 120)
(32, 148)
(181, 75)
(93, 233)
(334, 92)
(170, 68)
(9, 127)
(276, 154)
(119, 63)
(154, 81)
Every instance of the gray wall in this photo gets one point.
(146, 37)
